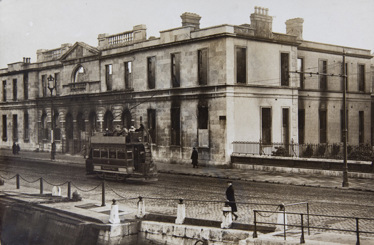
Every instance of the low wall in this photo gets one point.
(303, 163)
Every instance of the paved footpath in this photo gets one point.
(303, 179)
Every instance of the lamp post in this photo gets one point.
(345, 166)
(51, 87)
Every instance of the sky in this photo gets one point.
(29, 25)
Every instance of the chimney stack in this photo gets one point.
(191, 19)
(294, 27)
(262, 22)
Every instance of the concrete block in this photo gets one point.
(116, 230)
(205, 233)
(152, 227)
(193, 232)
(133, 228)
(215, 235)
(235, 235)
(179, 231)
(168, 229)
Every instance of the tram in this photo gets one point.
(121, 157)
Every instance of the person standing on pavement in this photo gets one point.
(14, 148)
(53, 150)
(194, 157)
(18, 148)
(230, 197)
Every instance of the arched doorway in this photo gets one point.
(81, 139)
(126, 119)
(108, 121)
(69, 129)
(92, 118)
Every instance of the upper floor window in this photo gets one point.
(361, 78)
(109, 76)
(241, 65)
(322, 69)
(14, 89)
(175, 69)
(300, 68)
(128, 75)
(285, 78)
(202, 66)
(79, 75)
(26, 86)
(4, 90)
(151, 72)
(44, 85)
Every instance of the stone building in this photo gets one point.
(190, 87)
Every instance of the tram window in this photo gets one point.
(104, 153)
(121, 154)
(112, 154)
(96, 153)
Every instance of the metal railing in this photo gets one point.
(315, 218)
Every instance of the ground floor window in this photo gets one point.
(5, 135)
(266, 126)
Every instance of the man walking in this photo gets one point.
(230, 196)
(194, 157)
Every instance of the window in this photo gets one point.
(128, 75)
(151, 72)
(4, 90)
(5, 130)
(241, 65)
(300, 68)
(43, 128)
(301, 125)
(14, 89)
(108, 77)
(203, 66)
(15, 127)
(266, 126)
(322, 126)
(203, 120)
(342, 125)
(361, 137)
(26, 127)
(44, 85)
(151, 113)
(361, 78)
(175, 124)
(285, 69)
(322, 69)
(25, 86)
(175, 70)
(285, 126)
(79, 75)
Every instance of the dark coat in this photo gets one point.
(230, 195)
(194, 157)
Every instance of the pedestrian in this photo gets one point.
(230, 197)
(14, 148)
(84, 150)
(18, 148)
(53, 150)
(194, 157)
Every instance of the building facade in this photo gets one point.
(190, 87)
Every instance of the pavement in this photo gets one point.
(303, 179)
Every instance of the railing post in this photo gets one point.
(103, 193)
(181, 212)
(69, 189)
(141, 208)
(357, 232)
(302, 240)
(255, 224)
(17, 181)
(41, 186)
(307, 211)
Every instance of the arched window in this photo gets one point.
(79, 75)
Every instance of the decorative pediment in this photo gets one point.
(80, 50)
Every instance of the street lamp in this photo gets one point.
(345, 130)
(51, 87)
